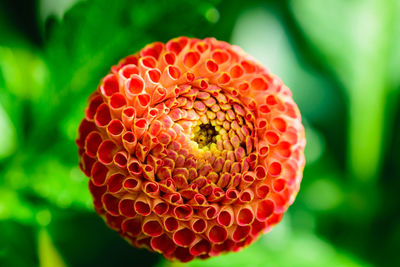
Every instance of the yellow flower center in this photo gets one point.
(205, 135)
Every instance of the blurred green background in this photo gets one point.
(341, 58)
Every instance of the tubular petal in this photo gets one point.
(128, 70)
(132, 227)
(201, 247)
(94, 102)
(110, 203)
(114, 182)
(240, 233)
(184, 237)
(163, 244)
(217, 234)
(152, 227)
(110, 85)
(183, 212)
(225, 218)
(265, 209)
(160, 207)
(142, 207)
(171, 224)
(134, 86)
(275, 168)
(106, 152)
(99, 174)
(198, 225)
(121, 159)
(126, 207)
(92, 143)
(102, 117)
(245, 216)
(132, 184)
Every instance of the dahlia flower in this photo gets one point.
(192, 148)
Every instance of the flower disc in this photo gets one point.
(192, 148)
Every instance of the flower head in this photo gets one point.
(192, 148)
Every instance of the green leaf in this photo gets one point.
(8, 135)
(48, 254)
(353, 38)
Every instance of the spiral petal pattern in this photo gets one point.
(192, 148)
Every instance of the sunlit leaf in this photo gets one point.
(353, 39)
(7, 136)
(48, 254)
